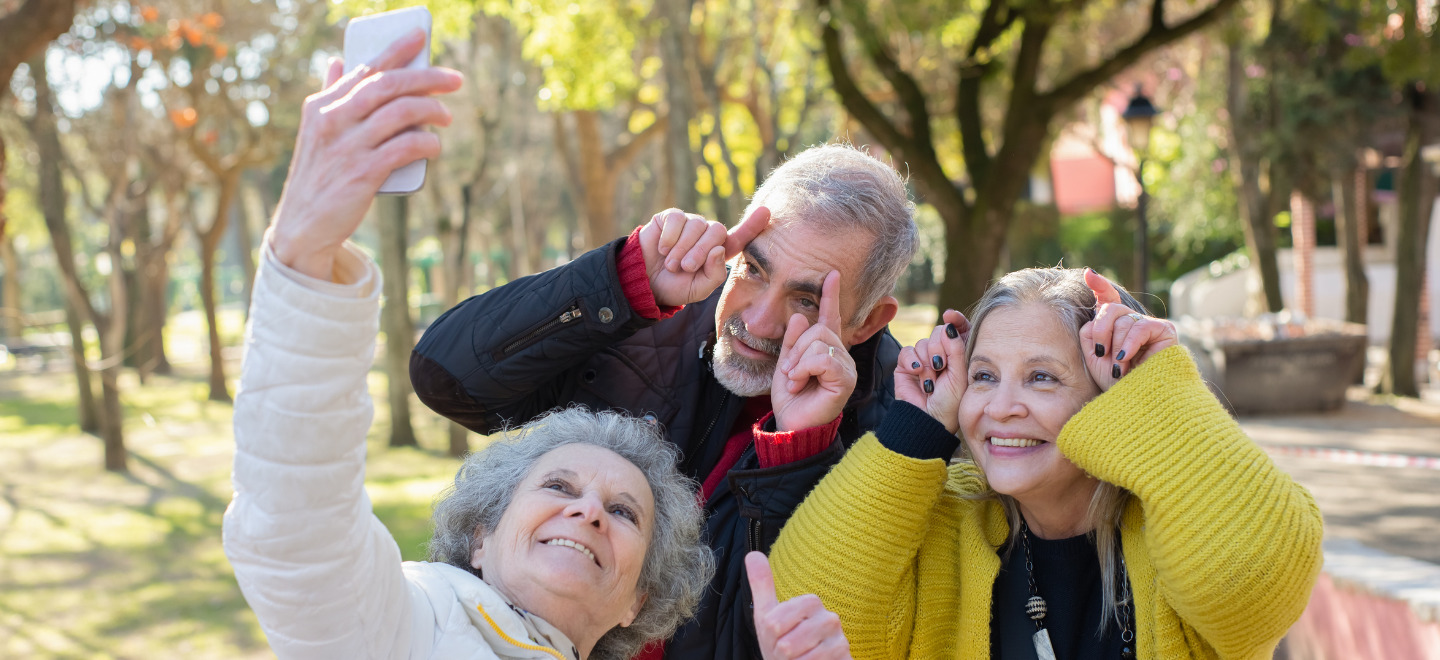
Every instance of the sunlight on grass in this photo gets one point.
(102, 565)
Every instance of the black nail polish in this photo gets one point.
(1099, 350)
(1115, 371)
(937, 362)
(951, 331)
(914, 365)
(1120, 355)
(928, 386)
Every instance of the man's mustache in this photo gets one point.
(736, 328)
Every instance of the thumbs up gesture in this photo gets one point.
(799, 627)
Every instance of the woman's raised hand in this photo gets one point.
(797, 628)
(1119, 338)
(932, 375)
(352, 135)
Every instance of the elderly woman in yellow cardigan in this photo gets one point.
(1104, 505)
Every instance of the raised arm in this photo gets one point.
(1235, 541)
(322, 574)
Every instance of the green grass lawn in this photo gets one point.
(101, 565)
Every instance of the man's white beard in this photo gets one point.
(739, 374)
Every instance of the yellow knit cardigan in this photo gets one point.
(1221, 547)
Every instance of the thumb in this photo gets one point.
(746, 231)
(1104, 291)
(762, 584)
(333, 71)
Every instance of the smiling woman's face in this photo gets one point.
(576, 530)
(1027, 378)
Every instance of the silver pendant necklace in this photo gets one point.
(1035, 608)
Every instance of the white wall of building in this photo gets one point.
(1202, 294)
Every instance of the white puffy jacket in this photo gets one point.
(322, 573)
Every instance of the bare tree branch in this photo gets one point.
(28, 30)
(620, 157)
(911, 96)
(1156, 37)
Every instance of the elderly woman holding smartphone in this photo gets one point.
(573, 537)
(1104, 504)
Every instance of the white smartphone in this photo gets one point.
(365, 39)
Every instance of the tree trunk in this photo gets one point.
(391, 213)
(111, 422)
(599, 183)
(14, 319)
(26, 30)
(252, 213)
(1255, 215)
(1398, 377)
(209, 297)
(89, 414)
(679, 160)
(1352, 242)
(53, 207)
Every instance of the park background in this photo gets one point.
(1267, 158)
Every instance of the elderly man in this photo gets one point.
(730, 375)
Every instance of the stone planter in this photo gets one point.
(1282, 374)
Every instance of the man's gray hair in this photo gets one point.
(839, 187)
(677, 566)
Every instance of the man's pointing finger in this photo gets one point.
(746, 231)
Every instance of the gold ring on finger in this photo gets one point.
(1135, 317)
(832, 351)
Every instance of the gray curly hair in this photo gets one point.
(677, 566)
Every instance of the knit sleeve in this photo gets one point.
(854, 543)
(1234, 541)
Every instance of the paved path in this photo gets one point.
(1395, 509)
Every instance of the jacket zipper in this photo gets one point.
(754, 535)
(572, 314)
(704, 439)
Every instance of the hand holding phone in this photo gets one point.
(365, 39)
(354, 134)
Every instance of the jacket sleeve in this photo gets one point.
(322, 574)
(1235, 542)
(502, 356)
(855, 540)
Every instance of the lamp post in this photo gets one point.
(1138, 116)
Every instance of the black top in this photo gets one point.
(1067, 576)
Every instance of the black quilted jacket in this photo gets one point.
(568, 335)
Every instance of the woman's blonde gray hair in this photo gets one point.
(1063, 291)
(677, 567)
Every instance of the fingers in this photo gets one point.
(333, 70)
(402, 150)
(830, 302)
(762, 585)
(746, 231)
(693, 249)
(377, 90)
(400, 115)
(822, 361)
(796, 328)
(1145, 337)
(1104, 291)
(397, 55)
(960, 324)
(672, 226)
(800, 627)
